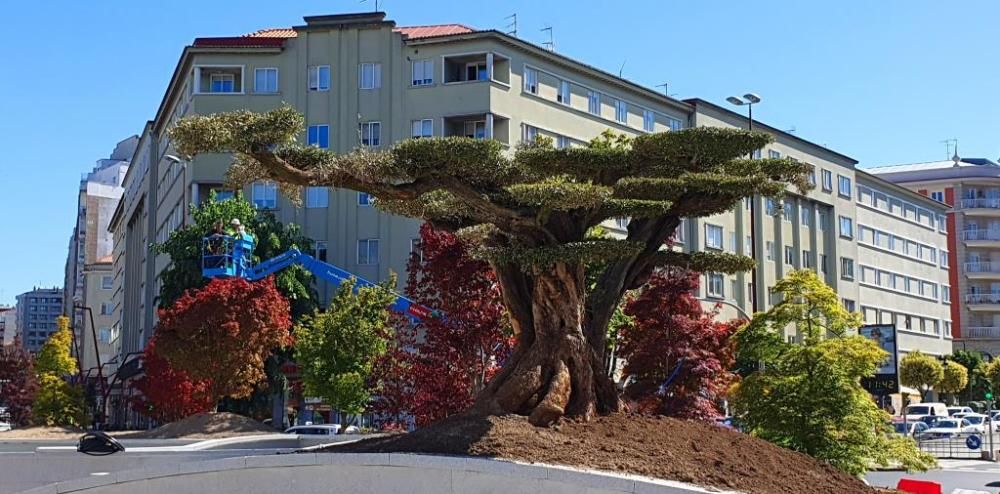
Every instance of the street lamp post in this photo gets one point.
(749, 100)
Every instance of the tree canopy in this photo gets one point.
(528, 213)
(57, 402)
(167, 394)
(920, 371)
(18, 383)
(954, 379)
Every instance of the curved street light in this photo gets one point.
(749, 99)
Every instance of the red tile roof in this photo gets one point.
(414, 32)
(240, 42)
(278, 32)
(275, 37)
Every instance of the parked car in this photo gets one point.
(930, 420)
(4, 427)
(911, 429)
(352, 429)
(917, 410)
(953, 410)
(945, 428)
(315, 430)
(979, 421)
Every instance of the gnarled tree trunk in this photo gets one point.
(554, 369)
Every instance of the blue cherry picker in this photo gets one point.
(228, 256)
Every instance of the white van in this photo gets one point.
(917, 411)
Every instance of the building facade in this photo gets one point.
(89, 279)
(37, 311)
(971, 189)
(8, 325)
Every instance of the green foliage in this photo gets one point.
(808, 397)
(954, 379)
(992, 373)
(54, 357)
(337, 349)
(920, 371)
(272, 238)
(976, 365)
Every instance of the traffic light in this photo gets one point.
(989, 396)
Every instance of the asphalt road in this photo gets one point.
(29, 445)
(954, 474)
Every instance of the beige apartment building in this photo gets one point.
(971, 187)
(88, 277)
(362, 81)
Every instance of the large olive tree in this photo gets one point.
(529, 213)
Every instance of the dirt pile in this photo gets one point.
(693, 452)
(41, 432)
(205, 426)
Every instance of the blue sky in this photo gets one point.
(882, 81)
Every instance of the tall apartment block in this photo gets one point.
(8, 325)
(37, 311)
(971, 189)
(88, 278)
(360, 80)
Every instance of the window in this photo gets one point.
(265, 80)
(769, 248)
(319, 78)
(716, 285)
(317, 197)
(846, 227)
(264, 195)
(848, 304)
(562, 142)
(944, 258)
(713, 236)
(823, 216)
(476, 71)
(319, 136)
(755, 154)
(732, 242)
(368, 251)
(747, 246)
(222, 83)
(789, 211)
(530, 133)
(812, 176)
(806, 259)
(371, 134)
(423, 72)
(847, 268)
(769, 206)
(476, 129)
(789, 255)
(621, 111)
(364, 199)
(104, 335)
(773, 154)
(822, 263)
(370, 76)
(648, 120)
(564, 93)
(321, 247)
(827, 180)
(422, 128)
(946, 294)
(107, 282)
(530, 80)
(844, 185)
(414, 245)
(806, 216)
(106, 308)
(594, 102)
(937, 196)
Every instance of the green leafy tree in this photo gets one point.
(976, 366)
(337, 349)
(954, 379)
(808, 397)
(921, 371)
(58, 402)
(992, 373)
(528, 213)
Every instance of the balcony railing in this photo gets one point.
(982, 267)
(980, 203)
(982, 298)
(981, 235)
(982, 332)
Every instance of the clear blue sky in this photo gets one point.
(882, 81)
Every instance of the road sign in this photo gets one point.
(973, 442)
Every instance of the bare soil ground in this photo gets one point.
(201, 426)
(694, 452)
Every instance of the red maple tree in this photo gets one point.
(223, 332)
(168, 394)
(671, 332)
(18, 383)
(443, 363)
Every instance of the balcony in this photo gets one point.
(479, 126)
(981, 207)
(981, 238)
(981, 270)
(981, 332)
(983, 301)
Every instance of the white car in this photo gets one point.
(954, 410)
(315, 430)
(949, 428)
(978, 421)
(912, 429)
(4, 427)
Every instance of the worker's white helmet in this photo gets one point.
(235, 222)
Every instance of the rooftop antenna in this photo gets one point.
(947, 147)
(550, 44)
(665, 87)
(512, 24)
(791, 130)
(622, 68)
(376, 4)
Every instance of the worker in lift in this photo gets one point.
(216, 246)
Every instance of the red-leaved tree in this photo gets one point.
(222, 334)
(18, 383)
(168, 394)
(671, 331)
(445, 362)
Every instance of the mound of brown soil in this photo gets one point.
(41, 432)
(205, 426)
(694, 452)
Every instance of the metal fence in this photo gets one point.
(967, 446)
